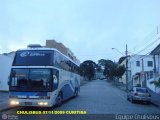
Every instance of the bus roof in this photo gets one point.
(47, 49)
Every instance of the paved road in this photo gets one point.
(100, 97)
(4, 97)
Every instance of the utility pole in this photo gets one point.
(142, 75)
(126, 68)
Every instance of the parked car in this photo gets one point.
(139, 94)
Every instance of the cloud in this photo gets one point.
(89, 28)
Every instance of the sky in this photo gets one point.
(90, 28)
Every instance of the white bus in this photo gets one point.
(42, 77)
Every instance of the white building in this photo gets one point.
(156, 75)
(139, 68)
(5, 63)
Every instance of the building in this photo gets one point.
(5, 63)
(156, 71)
(139, 68)
(99, 75)
(59, 46)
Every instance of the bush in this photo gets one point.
(157, 83)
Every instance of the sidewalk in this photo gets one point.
(4, 100)
(155, 99)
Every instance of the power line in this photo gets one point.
(148, 45)
(150, 36)
(143, 56)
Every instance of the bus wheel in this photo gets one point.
(76, 92)
(59, 100)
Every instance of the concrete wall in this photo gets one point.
(5, 66)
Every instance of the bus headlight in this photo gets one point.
(14, 102)
(45, 103)
(42, 103)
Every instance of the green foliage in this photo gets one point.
(113, 70)
(157, 83)
(87, 69)
(102, 62)
(110, 69)
(98, 68)
(120, 71)
(121, 59)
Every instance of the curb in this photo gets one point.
(8, 108)
(156, 105)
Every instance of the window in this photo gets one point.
(33, 58)
(141, 90)
(137, 63)
(31, 80)
(64, 63)
(150, 63)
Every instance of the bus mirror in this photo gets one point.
(55, 79)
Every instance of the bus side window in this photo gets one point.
(55, 79)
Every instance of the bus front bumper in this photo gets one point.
(28, 102)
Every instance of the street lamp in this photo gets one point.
(118, 51)
(126, 64)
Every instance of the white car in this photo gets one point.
(139, 94)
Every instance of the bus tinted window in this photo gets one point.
(33, 58)
(64, 63)
(30, 80)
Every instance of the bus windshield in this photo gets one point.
(30, 80)
(33, 58)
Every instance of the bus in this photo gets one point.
(42, 77)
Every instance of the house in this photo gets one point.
(156, 71)
(99, 75)
(139, 68)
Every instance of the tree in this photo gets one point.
(113, 71)
(120, 70)
(102, 62)
(109, 69)
(121, 59)
(98, 68)
(87, 69)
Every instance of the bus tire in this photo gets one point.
(59, 99)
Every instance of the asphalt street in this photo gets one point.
(98, 97)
